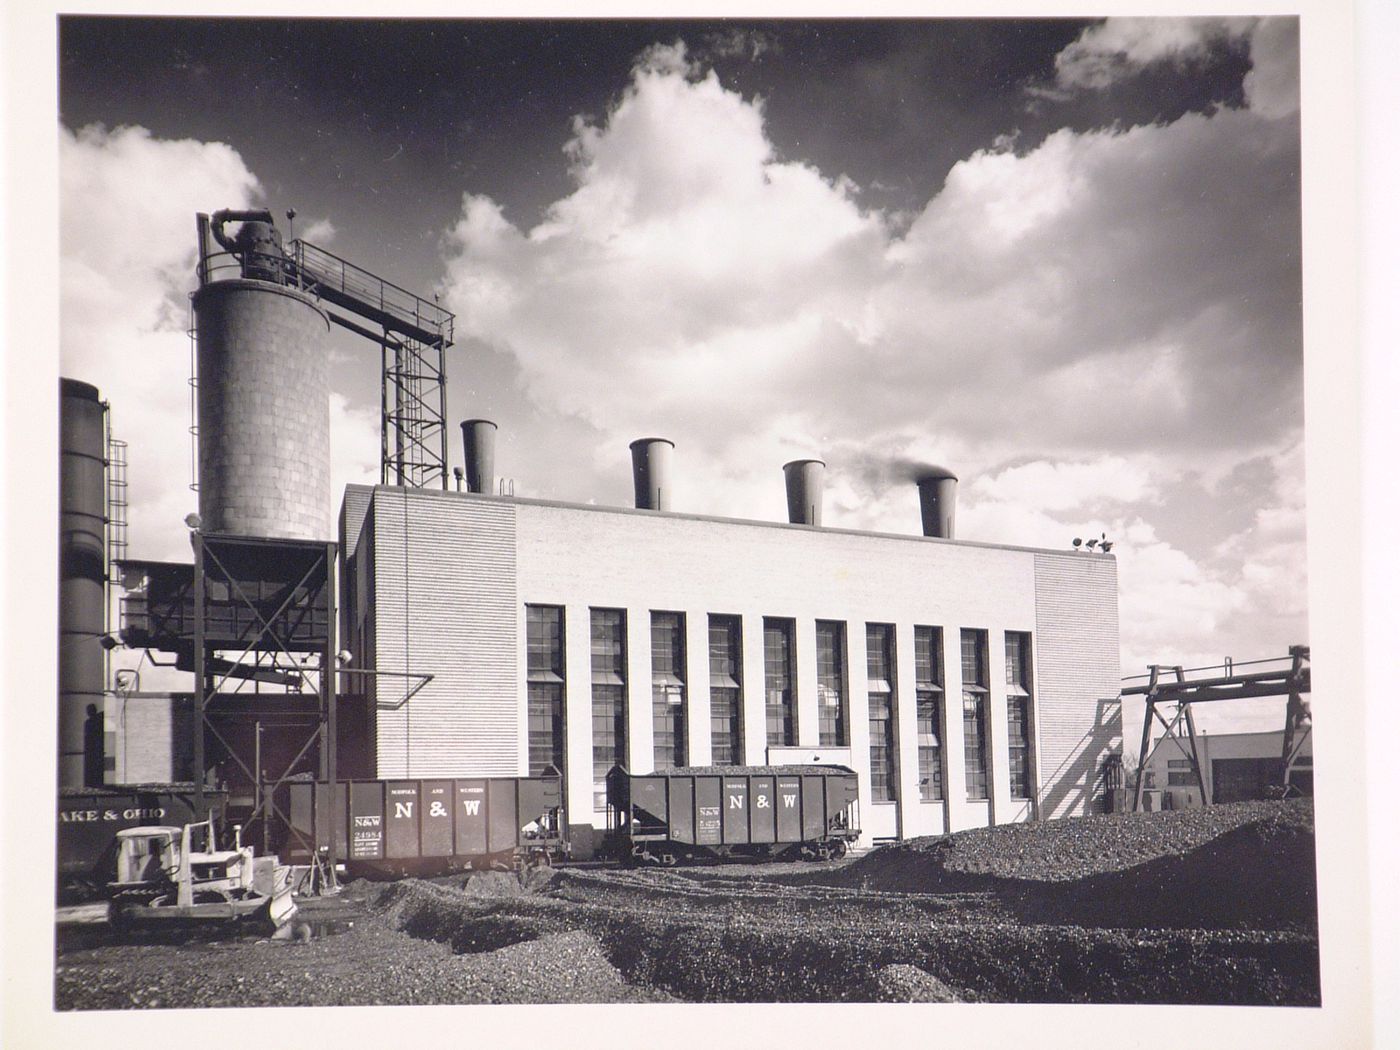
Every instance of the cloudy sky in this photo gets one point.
(1061, 257)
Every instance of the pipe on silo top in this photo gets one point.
(479, 447)
(804, 478)
(82, 583)
(651, 472)
(938, 502)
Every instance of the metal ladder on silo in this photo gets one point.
(116, 502)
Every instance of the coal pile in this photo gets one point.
(1250, 865)
(1063, 850)
(1210, 906)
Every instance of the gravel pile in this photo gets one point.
(374, 963)
(902, 983)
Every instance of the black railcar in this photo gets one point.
(696, 812)
(429, 826)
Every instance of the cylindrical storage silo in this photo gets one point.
(804, 479)
(479, 446)
(82, 583)
(651, 472)
(938, 502)
(264, 411)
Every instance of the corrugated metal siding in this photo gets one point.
(1079, 719)
(446, 604)
(352, 517)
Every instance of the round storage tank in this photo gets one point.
(82, 583)
(264, 411)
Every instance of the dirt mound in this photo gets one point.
(902, 983)
(507, 883)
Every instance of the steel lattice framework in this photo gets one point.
(413, 335)
(1168, 686)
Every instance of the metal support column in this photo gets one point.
(201, 678)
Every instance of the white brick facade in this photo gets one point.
(473, 563)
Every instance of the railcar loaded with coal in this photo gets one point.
(387, 828)
(708, 812)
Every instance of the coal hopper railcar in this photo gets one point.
(388, 828)
(697, 812)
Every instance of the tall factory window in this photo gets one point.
(609, 654)
(777, 682)
(726, 692)
(831, 684)
(974, 694)
(1018, 712)
(544, 663)
(879, 664)
(928, 683)
(668, 689)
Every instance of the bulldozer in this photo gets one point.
(179, 873)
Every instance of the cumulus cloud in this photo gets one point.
(1119, 48)
(1055, 326)
(127, 257)
(1271, 87)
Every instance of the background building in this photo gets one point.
(1235, 766)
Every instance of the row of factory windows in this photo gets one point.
(608, 665)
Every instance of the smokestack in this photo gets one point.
(804, 490)
(479, 445)
(651, 472)
(938, 501)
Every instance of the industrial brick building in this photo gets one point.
(966, 683)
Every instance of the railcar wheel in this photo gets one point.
(838, 849)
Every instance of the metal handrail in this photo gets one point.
(323, 267)
(1227, 665)
(313, 269)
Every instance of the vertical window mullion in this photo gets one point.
(831, 685)
(668, 689)
(778, 685)
(726, 691)
(544, 661)
(1018, 713)
(880, 673)
(928, 674)
(974, 698)
(609, 665)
